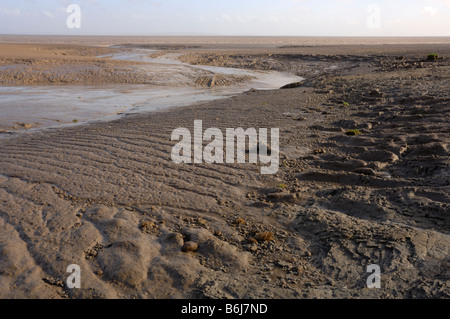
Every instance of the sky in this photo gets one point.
(227, 17)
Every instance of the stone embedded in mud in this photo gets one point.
(365, 171)
(285, 197)
(239, 221)
(264, 236)
(376, 93)
(212, 249)
(148, 226)
(189, 246)
(346, 124)
(24, 125)
(173, 239)
(366, 126)
(251, 247)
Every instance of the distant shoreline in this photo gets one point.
(243, 40)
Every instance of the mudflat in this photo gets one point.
(364, 178)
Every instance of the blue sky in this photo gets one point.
(230, 17)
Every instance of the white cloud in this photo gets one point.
(302, 9)
(10, 12)
(226, 17)
(444, 2)
(351, 21)
(430, 11)
(49, 14)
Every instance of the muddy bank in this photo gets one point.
(31, 64)
(364, 180)
(42, 91)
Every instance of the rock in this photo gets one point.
(285, 197)
(24, 125)
(366, 126)
(53, 281)
(202, 222)
(346, 124)
(266, 278)
(148, 226)
(284, 264)
(251, 247)
(365, 171)
(264, 237)
(173, 239)
(376, 93)
(189, 246)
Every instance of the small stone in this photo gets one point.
(189, 246)
(239, 221)
(376, 93)
(284, 264)
(266, 279)
(202, 222)
(24, 125)
(148, 226)
(299, 118)
(366, 126)
(320, 151)
(365, 171)
(265, 237)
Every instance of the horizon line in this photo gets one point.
(228, 36)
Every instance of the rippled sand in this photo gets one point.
(108, 197)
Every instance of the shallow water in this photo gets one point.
(53, 106)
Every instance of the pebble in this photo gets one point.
(189, 246)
